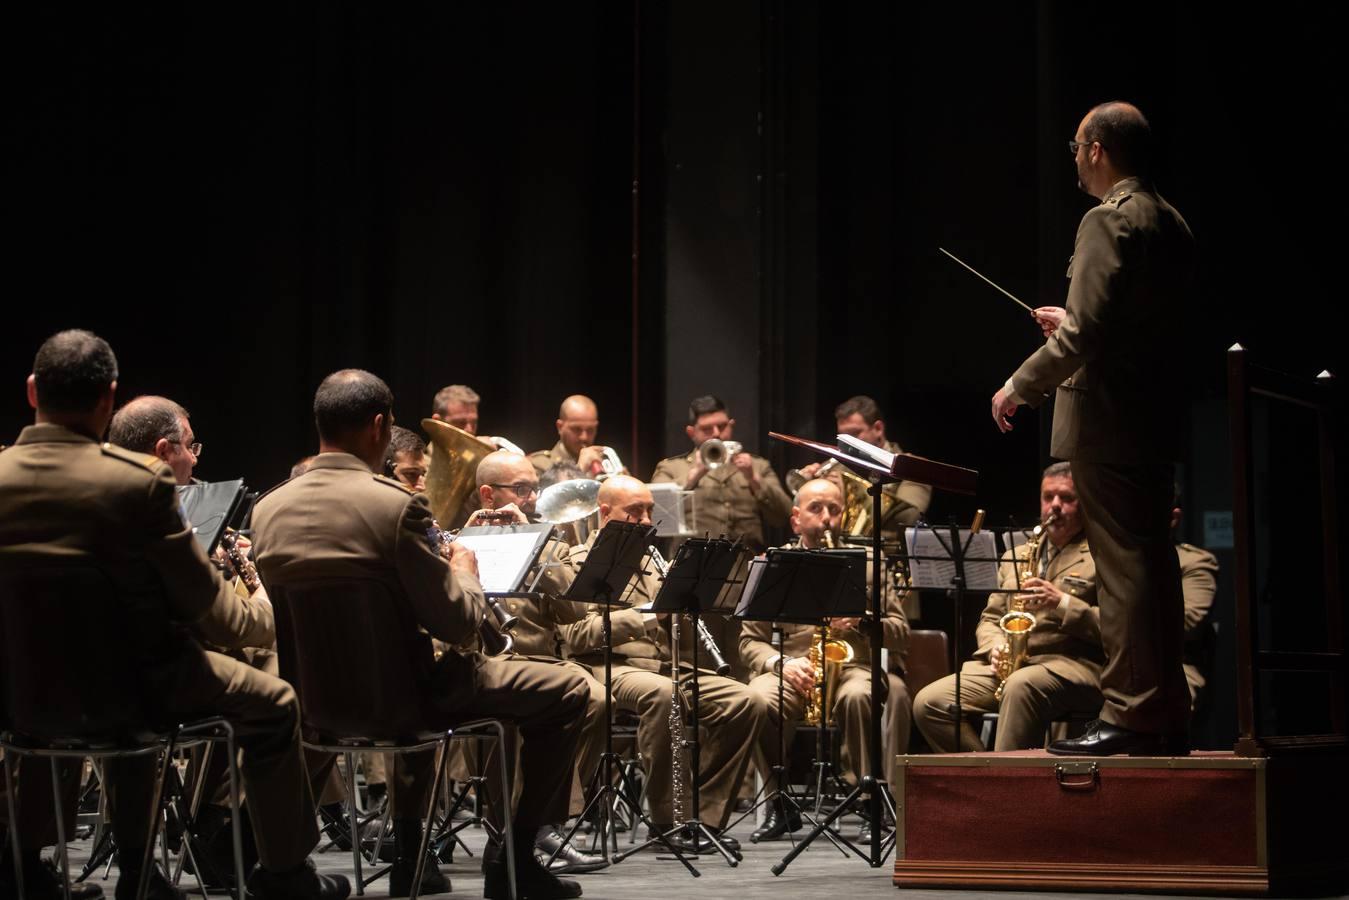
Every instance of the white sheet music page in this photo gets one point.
(866, 451)
(503, 559)
(931, 566)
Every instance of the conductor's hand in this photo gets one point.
(1038, 594)
(1003, 410)
(799, 675)
(463, 561)
(1049, 318)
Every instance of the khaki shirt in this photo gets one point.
(759, 656)
(911, 498)
(63, 494)
(1117, 398)
(723, 502)
(340, 520)
(1068, 643)
(1198, 582)
(544, 460)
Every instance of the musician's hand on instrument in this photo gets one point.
(463, 561)
(995, 655)
(696, 473)
(509, 512)
(589, 460)
(1003, 410)
(1049, 318)
(799, 675)
(844, 623)
(1038, 594)
(745, 464)
(810, 471)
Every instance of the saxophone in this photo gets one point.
(1017, 624)
(828, 656)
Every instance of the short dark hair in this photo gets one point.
(143, 421)
(860, 404)
(1123, 130)
(72, 369)
(453, 393)
(402, 440)
(701, 406)
(347, 400)
(559, 472)
(1058, 470)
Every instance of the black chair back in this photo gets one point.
(66, 672)
(355, 658)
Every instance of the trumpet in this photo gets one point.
(715, 453)
(1017, 624)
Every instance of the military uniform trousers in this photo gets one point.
(1034, 697)
(851, 715)
(730, 718)
(1128, 525)
(266, 717)
(545, 703)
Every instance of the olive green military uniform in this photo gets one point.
(544, 460)
(1061, 674)
(723, 502)
(911, 501)
(851, 710)
(1199, 582)
(731, 714)
(339, 520)
(63, 493)
(1118, 417)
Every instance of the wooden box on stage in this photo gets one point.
(1206, 823)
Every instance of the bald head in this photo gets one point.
(502, 467)
(578, 420)
(1115, 143)
(625, 499)
(505, 477)
(819, 506)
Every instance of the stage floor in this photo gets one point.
(820, 872)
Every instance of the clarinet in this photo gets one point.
(719, 663)
(247, 572)
(679, 747)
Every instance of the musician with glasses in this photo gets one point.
(1062, 673)
(731, 714)
(816, 513)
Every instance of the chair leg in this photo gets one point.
(236, 825)
(12, 809)
(60, 828)
(430, 817)
(508, 832)
(355, 824)
(148, 858)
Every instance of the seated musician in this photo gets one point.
(578, 423)
(406, 460)
(340, 521)
(1198, 583)
(731, 714)
(159, 427)
(458, 405)
(1061, 674)
(119, 510)
(507, 484)
(818, 509)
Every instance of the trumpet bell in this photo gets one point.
(454, 465)
(715, 453)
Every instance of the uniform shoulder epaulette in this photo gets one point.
(143, 460)
(676, 457)
(1115, 201)
(393, 482)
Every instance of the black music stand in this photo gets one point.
(807, 587)
(902, 466)
(614, 559)
(706, 575)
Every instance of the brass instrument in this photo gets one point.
(454, 465)
(1017, 624)
(573, 506)
(610, 464)
(715, 453)
(242, 565)
(828, 656)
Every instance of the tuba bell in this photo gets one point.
(573, 506)
(454, 465)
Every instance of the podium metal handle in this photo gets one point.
(1070, 776)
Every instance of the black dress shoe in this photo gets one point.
(569, 860)
(400, 878)
(777, 823)
(1104, 739)
(301, 883)
(533, 881)
(43, 881)
(158, 888)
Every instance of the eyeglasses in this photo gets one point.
(520, 488)
(1073, 146)
(194, 448)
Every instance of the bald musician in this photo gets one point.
(578, 422)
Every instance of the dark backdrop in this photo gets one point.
(242, 202)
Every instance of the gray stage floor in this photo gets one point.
(820, 872)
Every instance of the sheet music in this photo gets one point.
(756, 570)
(866, 451)
(931, 566)
(503, 559)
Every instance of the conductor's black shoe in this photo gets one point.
(1103, 739)
(776, 824)
(568, 860)
(301, 883)
(533, 881)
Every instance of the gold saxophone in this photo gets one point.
(828, 656)
(1017, 623)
